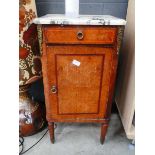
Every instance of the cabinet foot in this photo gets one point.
(104, 128)
(51, 131)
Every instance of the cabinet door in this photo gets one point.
(81, 75)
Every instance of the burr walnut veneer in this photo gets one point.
(79, 67)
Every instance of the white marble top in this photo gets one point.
(80, 20)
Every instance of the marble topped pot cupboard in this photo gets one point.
(79, 63)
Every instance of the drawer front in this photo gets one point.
(80, 35)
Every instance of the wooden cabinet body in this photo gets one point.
(79, 67)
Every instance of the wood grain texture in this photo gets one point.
(80, 120)
(85, 91)
(91, 34)
(79, 86)
(44, 72)
(100, 82)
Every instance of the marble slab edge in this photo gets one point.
(80, 20)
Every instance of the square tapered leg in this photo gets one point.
(51, 131)
(104, 128)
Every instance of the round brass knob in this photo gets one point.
(54, 89)
(80, 35)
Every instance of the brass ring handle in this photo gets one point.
(80, 35)
(54, 89)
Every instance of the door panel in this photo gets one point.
(78, 82)
(81, 74)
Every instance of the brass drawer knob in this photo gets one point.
(54, 89)
(80, 35)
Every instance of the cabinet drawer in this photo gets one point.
(80, 35)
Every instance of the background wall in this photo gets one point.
(116, 8)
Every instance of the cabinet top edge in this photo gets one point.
(62, 19)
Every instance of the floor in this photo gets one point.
(82, 139)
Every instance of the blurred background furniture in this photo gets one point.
(31, 114)
(125, 92)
